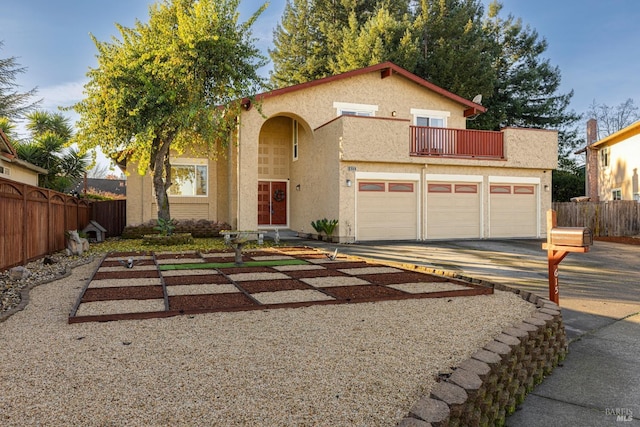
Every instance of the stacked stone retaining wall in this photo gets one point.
(484, 389)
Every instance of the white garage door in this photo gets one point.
(387, 210)
(513, 210)
(453, 210)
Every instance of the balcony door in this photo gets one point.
(272, 203)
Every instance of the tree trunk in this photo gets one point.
(161, 169)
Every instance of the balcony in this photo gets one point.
(444, 142)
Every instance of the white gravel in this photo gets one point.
(338, 365)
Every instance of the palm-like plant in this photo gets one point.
(49, 149)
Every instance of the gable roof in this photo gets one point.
(386, 69)
(8, 153)
(621, 135)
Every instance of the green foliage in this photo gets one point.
(567, 184)
(456, 53)
(49, 148)
(13, 104)
(381, 38)
(165, 226)
(325, 226)
(170, 85)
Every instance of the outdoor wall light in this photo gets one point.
(546, 187)
(348, 183)
(393, 114)
(298, 187)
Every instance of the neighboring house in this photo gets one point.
(11, 167)
(101, 185)
(381, 150)
(613, 163)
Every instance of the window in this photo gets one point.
(431, 118)
(466, 188)
(401, 187)
(371, 186)
(5, 170)
(604, 157)
(189, 180)
(294, 140)
(616, 194)
(350, 109)
(439, 188)
(500, 189)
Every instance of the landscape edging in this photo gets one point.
(487, 387)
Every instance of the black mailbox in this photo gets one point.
(571, 236)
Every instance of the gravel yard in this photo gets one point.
(341, 365)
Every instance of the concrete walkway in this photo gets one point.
(599, 382)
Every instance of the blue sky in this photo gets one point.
(594, 43)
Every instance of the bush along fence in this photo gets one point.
(33, 221)
(605, 219)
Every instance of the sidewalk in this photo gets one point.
(598, 384)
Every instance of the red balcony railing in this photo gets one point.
(430, 141)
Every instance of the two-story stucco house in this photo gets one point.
(613, 163)
(382, 151)
(15, 169)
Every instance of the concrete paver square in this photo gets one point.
(281, 297)
(359, 271)
(425, 287)
(200, 289)
(97, 308)
(120, 283)
(330, 281)
(241, 277)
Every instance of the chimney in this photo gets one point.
(591, 169)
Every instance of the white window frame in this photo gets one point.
(430, 114)
(605, 157)
(4, 170)
(349, 108)
(195, 163)
(294, 140)
(615, 193)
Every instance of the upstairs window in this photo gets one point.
(431, 118)
(294, 140)
(604, 157)
(350, 109)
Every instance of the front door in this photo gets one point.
(272, 203)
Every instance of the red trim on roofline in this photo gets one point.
(386, 70)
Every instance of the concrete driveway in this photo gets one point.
(599, 382)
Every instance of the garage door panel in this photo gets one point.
(453, 214)
(512, 214)
(387, 215)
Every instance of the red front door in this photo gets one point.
(272, 203)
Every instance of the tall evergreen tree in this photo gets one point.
(526, 89)
(455, 52)
(381, 38)
(13, 103)
(297, 46)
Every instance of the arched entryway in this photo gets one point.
(277, 152)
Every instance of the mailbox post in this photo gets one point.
(561, 241)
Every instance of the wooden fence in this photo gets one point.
(33, 221)
(605, 219)
(111, 214)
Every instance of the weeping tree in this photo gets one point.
(169, 85)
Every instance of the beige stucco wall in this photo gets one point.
(622, 172)
(141, 203)
(20, 173)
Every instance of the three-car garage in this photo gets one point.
(398, 207)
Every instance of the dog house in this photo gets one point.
(94, 232)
